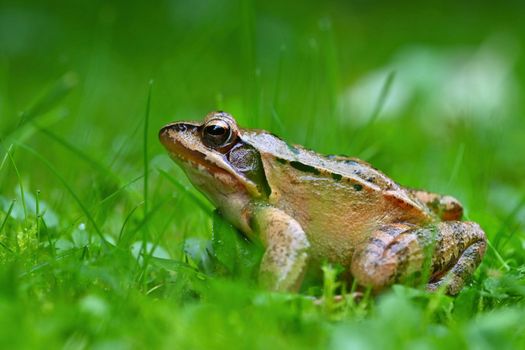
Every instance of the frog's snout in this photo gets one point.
(164, 133)
(168, 134)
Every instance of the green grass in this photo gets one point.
(105, 244)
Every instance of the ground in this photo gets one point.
(105, 244)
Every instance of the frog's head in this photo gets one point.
(216, 159)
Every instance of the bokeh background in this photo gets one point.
(432, 94)
(311, 71)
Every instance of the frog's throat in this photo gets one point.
(213, 164)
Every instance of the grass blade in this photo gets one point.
(20, 185)
(44, 104)
(500, 240)
(206, 208)
(143, 249)
(70, 190)
(128, 217)
(145, 148)
(383, 95)
(50, 99)
(9, 210)
(457, 164)
(362, 135)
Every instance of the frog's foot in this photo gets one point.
(461, 248)
(448, 253)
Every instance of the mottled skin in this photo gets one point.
(306, 208)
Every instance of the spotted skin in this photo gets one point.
(397, 252)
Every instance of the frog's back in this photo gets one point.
(338, 200)
(340, 169)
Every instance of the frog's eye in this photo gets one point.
(217, 133)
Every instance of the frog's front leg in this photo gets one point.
(285, 259)
(453, 250)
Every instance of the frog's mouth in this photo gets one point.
(182, 140)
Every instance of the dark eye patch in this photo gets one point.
(247, 160)
(244, 159)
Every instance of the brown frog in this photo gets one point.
(306, 208)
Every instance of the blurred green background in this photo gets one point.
(431, 94)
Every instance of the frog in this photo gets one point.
(306, 209)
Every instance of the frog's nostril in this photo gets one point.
(168, 132)
(174, 127)
(180, 127)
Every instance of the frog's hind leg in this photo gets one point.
(448, 252)
(446, 207)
